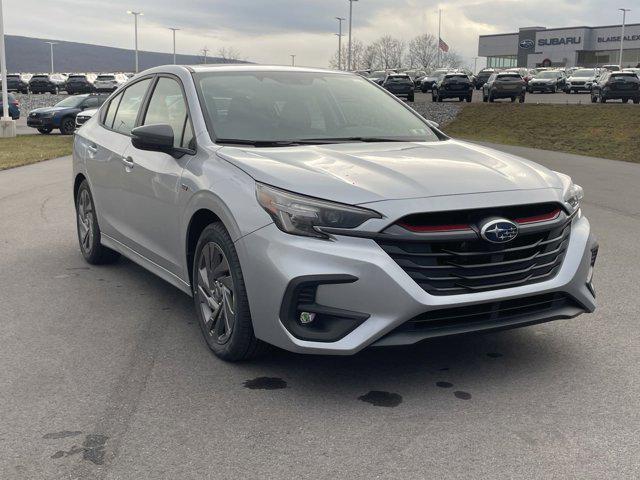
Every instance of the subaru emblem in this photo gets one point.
(499, 230)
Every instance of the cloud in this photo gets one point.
(268, 31)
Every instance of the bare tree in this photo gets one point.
(423, 51)
(390, 51)
(370, 59)
(357, 55)
(229, 54)
(451, 59)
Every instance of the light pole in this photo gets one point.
(7, 125)
(135, 29)
(51, 44)
(624, 17)
(174, 30)
(205, 50)
(475, 64)
(339, 34)
(350, 27)
(293, 60)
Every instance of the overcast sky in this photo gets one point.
(268, 31)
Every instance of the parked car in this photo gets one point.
(80, 83)
(17, 83)
(47, 83)
(453, 85)
(427, 83)
(504, 85)
(581, 80)
(549, 81)
(304, 216)
(63, 114)
(400, 84)
(109, 82)
(378, 76)
(83, 116)
(612, 68)
(635, 70)
(624, 86)
(482, 76)
(14, 106)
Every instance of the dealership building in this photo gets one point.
(562, 47)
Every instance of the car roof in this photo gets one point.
(229, 67)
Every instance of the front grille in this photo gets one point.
(455, 267)
(577, 82)
(494, 312)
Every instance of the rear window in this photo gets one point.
(40, 76)
(80, 77)
(623, 75)
(461, 75)
(106, 77)
(13, 76)
(399, 79)
(509, 76)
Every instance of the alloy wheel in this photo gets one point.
(215, 292)
(85, 221)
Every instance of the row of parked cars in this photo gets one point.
(72, 83)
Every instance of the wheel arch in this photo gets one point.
(199, 220)
(76, 185)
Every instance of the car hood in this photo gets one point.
(51, 109)
(366, 172)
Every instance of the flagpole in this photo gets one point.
(439, 23)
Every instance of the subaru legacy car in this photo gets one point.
(313, 210)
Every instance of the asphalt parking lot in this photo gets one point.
(105, 374)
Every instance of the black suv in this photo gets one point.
(504, 85)
(548, 81)
(16, 83)
(80, 83)
(482, 76)
(400, 85)
(453, 85)
(616, 85)
(63, 114)
(45, 82)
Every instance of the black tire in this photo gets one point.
(521, 99)
(626, 100)
(469, 98)
(67, 126)
(594, 99)
(513, 99)
(461, 99)
(88, 230)
(411, 97)
(491, 98)
(45, 130)
(241, 344)
(602, 98)
(636, 100)
(554, 89)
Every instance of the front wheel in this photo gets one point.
(45, 130)
(636, 100)
(411, 97)
(469, 98)
(88, 230)
(67, 126)
(220, 297)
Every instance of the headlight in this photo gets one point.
(574, 195)
(301, 215)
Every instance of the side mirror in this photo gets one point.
(155, 138)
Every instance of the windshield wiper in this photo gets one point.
(309, 141)
(362, 139)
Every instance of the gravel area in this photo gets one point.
(441, 113)
(32, 101)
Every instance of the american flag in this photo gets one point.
(443, 46)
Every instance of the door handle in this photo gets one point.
(92, 149)
(128, 162)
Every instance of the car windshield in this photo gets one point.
(263, 107)
(70, 102)
(106, 77)
(398, 79)
(585, 72)
(547, 75)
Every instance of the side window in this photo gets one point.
(167, 105)
(129, 105)
(92, 102)
(111, 111)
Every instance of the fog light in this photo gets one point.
(307, 318)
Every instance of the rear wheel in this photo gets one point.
(636, 100)
(221, 299)
(602, 98)
(411, 97)
(89, 231)
(521, 98)
(469, 98)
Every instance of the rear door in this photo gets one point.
(151, 187)
(105, 143)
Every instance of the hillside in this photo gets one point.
(26, 54)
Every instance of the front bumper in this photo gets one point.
(39, 122)
(542, 88)
(383, 294)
